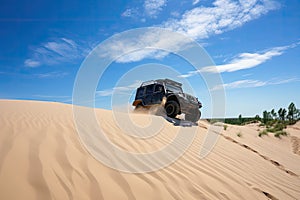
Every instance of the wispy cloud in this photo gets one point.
(149, 9)
(248, 74)
(130, 12)
(31, 63)
(198, 23)
(244, 61)
(195, 2)
(132, 48)
(249, 83)
(202, 22)
(120, 89)
(154, 7)
(248, 60)
(54, 74)
(58, 51)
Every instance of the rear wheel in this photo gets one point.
(138, 107)
(172, 108)
(193, 116)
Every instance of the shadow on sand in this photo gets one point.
(160, 111)
(180, 122)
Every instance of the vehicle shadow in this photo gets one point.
(160, 111)
(180, 122)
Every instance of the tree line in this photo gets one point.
(290, 115)
(287, 116)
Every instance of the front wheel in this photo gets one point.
(172, 108)
(194, 116)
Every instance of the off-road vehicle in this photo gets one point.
(169, 94)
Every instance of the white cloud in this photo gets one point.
(151, 44)
(240, 84)
(195, 2)
(198, 23)
(248, 60)
(202, 22)
(129, 12)
(55, 74)
(246, 75)
(243, 61)
(175, 14)
(61, 50)
(120, 89)
(248, 83)
(154, 7)
(31, 63)
(141, 54)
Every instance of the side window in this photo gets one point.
(140, 92)
(158, 88)
(149, 89)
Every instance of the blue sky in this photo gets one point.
(254, 44)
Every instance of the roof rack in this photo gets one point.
(161, 81)
(148, 83)
(169, 81)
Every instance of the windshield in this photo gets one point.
(173, 88)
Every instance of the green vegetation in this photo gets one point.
(279, 133)
(241, 120)
(262, 133)
(279, 126)
(274, 122)
(274, 126)
(239, 134)
(289, 116)
(225, 127)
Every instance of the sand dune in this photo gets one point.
(41, 157)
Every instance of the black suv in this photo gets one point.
(169, 94)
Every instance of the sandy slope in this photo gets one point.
(41, 157)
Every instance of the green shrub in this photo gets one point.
(271, 123)
(280, 133)
(262, 133)
(276, 127)
(225, 127)
(239, 134)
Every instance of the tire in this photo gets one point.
(172, 108)
(138, 107)
(194, 116)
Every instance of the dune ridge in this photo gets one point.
(41, 157)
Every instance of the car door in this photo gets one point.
(148, 94)
(140, 93)
(158, 94)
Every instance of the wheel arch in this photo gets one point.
(137, 102)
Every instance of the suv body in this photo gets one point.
(168, 93)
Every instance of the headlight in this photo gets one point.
(199, 104)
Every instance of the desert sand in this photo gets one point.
(41, 157)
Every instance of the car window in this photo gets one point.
(140, 92)
(158, 88)
(173, 88)
(149, 89)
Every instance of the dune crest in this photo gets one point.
(41, 157)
